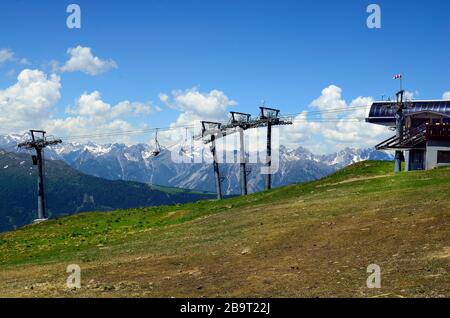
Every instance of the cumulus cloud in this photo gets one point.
(194, 106)
(330, 99)
(82, 60)
(211, 105)
(91, 104)
(324, 132)
(446, 95)
(92, 115)
(27, 103)
(32, 102)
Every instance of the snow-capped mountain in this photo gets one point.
(137, 163)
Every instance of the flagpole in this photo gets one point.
(399, 77)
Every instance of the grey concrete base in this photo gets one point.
(37, 221)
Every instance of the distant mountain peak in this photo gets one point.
(137, 163)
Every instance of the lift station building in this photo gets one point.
(425, 139)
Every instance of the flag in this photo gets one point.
(398, 76)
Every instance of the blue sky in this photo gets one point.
(283, 52)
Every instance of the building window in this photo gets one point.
(443, 157)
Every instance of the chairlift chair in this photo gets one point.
(157, 149)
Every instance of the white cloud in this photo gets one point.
(31, 103)
(82, 60)
(411, 95)
(446, 95)
(26, 104)
(127, 107)
(194, 106)
(330, 99)
(6, 55)
(92, 105)
(163, 97)
(91, 115)
(211, 105)
(323, 132)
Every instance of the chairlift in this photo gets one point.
(157, 149)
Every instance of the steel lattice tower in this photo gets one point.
(39, 142)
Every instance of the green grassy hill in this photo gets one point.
(307, 240)
(69, 191)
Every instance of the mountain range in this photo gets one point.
(69, 191)
(137, 163)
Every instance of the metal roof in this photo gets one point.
(382, 115)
